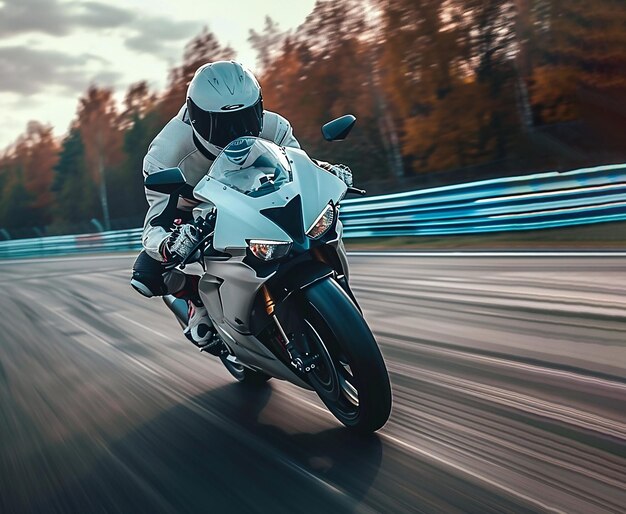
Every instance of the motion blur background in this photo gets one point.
(508, 369)
(445, 92)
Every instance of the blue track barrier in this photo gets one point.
(529, 202)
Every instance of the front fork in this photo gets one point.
(303, 362)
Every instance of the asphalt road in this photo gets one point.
(508, 373)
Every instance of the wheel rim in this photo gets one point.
(342, 392)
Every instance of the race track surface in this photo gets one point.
(508, 376)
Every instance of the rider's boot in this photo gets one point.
(200, 330)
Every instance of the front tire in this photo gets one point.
(357, 391)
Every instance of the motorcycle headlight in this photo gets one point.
(268, 250)
(323, 222)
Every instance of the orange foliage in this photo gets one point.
(97, 121)
(32, 159)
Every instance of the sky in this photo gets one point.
(51, 50)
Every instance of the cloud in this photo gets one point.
(28, 71)
(102, 16)
(158, 36)
(58, 19)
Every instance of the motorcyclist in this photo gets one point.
(224, 102)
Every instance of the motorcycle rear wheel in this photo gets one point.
(350, 375)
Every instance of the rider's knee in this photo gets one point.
(147, 284)
(147, 277)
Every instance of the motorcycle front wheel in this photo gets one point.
(350, 375)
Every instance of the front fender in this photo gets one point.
(283, 285)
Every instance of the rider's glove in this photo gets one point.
(180, 243)
(341, 171)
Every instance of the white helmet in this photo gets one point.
(224, 102)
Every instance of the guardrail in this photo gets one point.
(114, 241)
(544, 200)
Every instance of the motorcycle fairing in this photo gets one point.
(239, 217)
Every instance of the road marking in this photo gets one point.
(364, 253)
(89, 257)
(401, 253)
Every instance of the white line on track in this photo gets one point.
(89, 257)
(356, 253)
(485, 254)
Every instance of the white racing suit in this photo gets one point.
(174, 147)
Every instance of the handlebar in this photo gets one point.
(356, 191)
(201, 224)
(198, 245)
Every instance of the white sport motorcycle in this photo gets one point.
(275, 280)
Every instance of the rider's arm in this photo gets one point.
(153, 233)
(290, 140)
(276, 128)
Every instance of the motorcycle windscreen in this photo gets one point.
(252, 166)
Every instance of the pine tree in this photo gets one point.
(76, 195)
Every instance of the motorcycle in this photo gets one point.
(275, 280)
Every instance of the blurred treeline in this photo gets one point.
(445, 91)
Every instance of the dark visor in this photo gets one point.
(220, 128)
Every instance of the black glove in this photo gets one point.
(180, 243)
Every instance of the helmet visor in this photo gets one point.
(220, 128)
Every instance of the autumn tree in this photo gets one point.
(321, 71)
(97, 122)
(579, 46)
(27, 167)
(141, 124)
(449, 74)
(267, 43)
(138, 102)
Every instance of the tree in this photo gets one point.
(76, 192)
(16, 205)
(38, 171)
(97, 121)
(268, 43)
(139, 123)
(448, 72)
(323, 70)
(580, 46)
(28, 164)
(139, 100)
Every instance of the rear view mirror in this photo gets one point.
(339, 128)
(167, 181)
